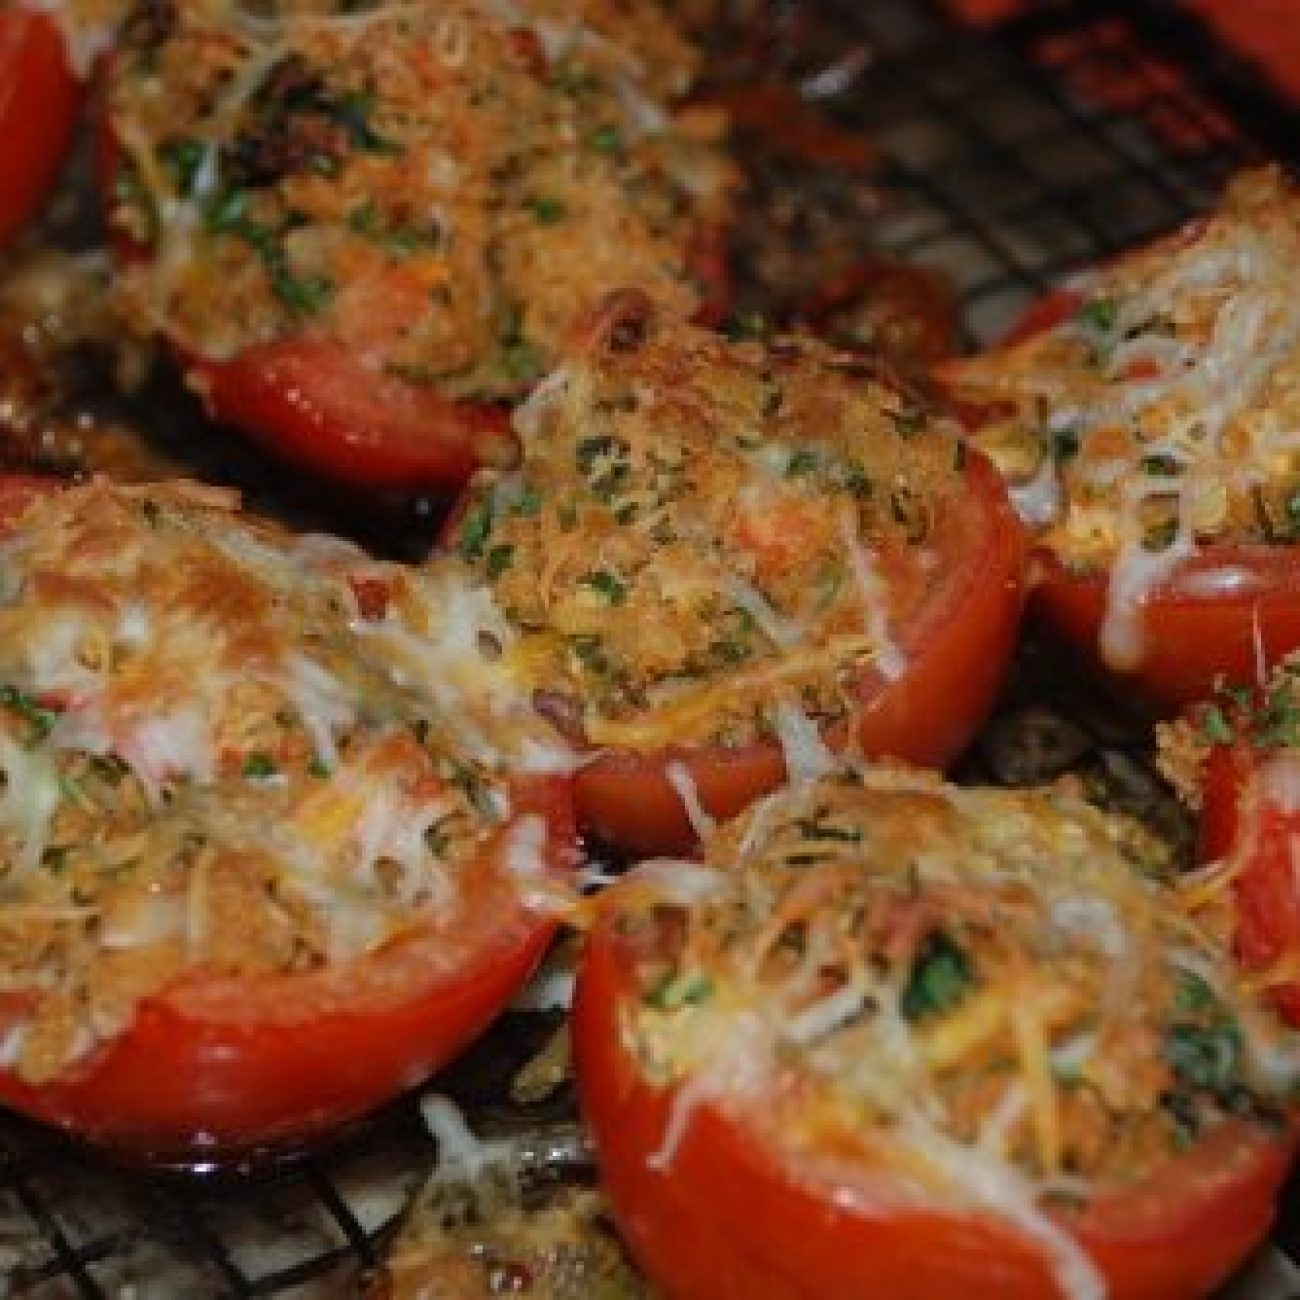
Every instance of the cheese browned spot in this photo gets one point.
(443, 188)
(711, 540)
(227, 747)
(1161, 415)
(989, 1001)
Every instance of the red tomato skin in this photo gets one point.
(312, 402)
(222, 1066)
(957, 654)
(1235, 819)
(40, 100)
(726, 1220)
(1193, 639)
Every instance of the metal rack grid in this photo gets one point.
(1008, 160)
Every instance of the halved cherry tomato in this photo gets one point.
(1246, 821)
(39, 102)
(956, 648)
(729, 1218)
(224, 1065)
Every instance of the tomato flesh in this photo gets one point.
(956, 648)
(40, 99)
(725, 1217)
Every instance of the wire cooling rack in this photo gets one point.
(1006, 160)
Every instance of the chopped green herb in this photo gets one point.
(367, 221)
(528, 503)
(850, 476)
(590, 652)
(1205, 1058)
(517, 361)
(1063, 443)
(306, 295)
(352, 111)
(475, 529)
(606, 139)
(183, 157)
(1215, 726)
(548, 211)
(1160, 536)
(1192, 993)
(1162, 465)
(814, 828)
(40, 719)
(681, 990)
(730, 651)
(909, 423)
(1099, 313)
(227, 212)
(475, 788)
(228, 215)
(1203, 1043)
(940, 979)
(571, 80)
(1278, 722)
(747, 325)
(259, 766)
(319, 769)
(803, 461)
(499, 559)
(55, 858)
(606, 584)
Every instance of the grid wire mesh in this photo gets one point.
(1009, 159)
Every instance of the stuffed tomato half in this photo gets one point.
(366, 234)
(260, 868)
(715, 558)
(890, 1038)
(1143, 417)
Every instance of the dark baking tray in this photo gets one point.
(1004, 159)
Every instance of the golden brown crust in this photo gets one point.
(441, 188)
(701, 528)
(215, 758)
